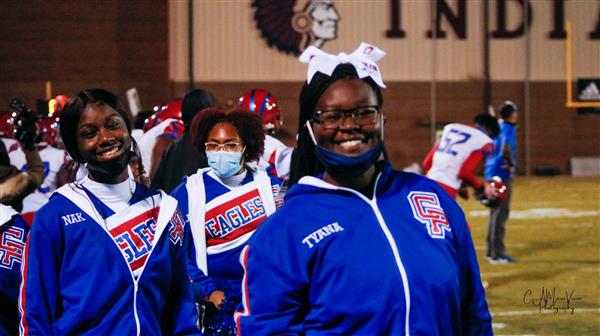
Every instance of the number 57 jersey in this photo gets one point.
(457, 146)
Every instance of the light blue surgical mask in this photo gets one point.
(223, 163)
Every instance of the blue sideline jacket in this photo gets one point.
(331, 261)
(495, 164)
(78, 280)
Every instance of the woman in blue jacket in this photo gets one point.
(224, 204)
(105, 255)
(358, 248)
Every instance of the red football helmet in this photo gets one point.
(263, 103)
(164, 112)
(48, 128)
(495, 192)
(56, 105)
(6, 125)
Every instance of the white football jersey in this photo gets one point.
(53, 159)
(169, 127)
(277, 155)
(10, 144)
(456, 144)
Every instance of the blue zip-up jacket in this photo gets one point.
(495, 164)
(78, 280)
(13, 233)
(331, 261)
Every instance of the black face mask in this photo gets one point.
(107, 170)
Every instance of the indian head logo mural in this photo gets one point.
(293, 25)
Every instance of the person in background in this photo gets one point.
(105, 255)
(182, 158)
(14, 184)
(13, 234)
(277, 156)
(358, 248)
(53, 159)
(502, 163)
(160, 130)
(224, 204)
(461, 148)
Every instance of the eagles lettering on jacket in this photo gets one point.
(87, 268)
(335, 262)
(229, 220)
(221, 220)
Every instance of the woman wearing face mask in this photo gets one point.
(358, 248)
(224, 203)
(105, 255)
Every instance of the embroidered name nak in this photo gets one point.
(315, 237)
(73, 218)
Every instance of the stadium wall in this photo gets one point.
(557, 133)
(83, 44)
(122, 44)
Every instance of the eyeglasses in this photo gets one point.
(231, 146)
(362, 115)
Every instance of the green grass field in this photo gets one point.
(554, 233)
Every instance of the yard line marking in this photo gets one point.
(496, 274)
(537, 311)
(537, 213)
(499, 325)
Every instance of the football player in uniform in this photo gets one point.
(53, 159)
(458, 152)
(182, 158)
(277, 156)
(160, 130)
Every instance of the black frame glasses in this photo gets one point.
(333, 118)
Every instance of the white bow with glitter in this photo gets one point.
(363, 59)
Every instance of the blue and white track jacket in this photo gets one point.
(331, 261)
(13, 233)
(78, 276)
(221, 220)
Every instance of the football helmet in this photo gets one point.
(7, 127)
(164, 112)
(56, 105)
(48, 131)
(263, 103)
(494, 192)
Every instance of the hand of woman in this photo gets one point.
(217, 298)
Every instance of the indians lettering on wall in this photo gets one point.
(293, 25)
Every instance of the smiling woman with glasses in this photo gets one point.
(332, 118)
(225, 203)
(358, 248)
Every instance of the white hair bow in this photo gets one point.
(363, 59)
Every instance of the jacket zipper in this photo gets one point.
(135, 313)
(394, 247)
(388, 235)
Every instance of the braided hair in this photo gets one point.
(304, 162)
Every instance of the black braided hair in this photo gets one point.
(304, 162)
